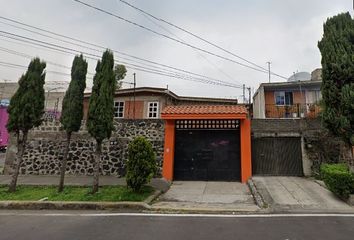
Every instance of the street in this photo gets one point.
(92, 225)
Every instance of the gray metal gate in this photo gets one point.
(277, 156)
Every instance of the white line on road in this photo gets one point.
(176, 215)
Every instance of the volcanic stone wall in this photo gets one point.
(44, 151)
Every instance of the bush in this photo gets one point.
(338, 179)
(141, 165)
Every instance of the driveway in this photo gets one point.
(296, 194)
(213, 196)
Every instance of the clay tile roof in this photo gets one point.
(204, 109)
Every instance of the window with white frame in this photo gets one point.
(118, 109)
(283, 98)
(153, 109)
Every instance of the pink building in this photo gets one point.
(4, 135)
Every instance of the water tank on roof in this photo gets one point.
(300, 76)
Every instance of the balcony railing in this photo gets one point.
(292, 111)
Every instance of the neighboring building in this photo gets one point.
(297, 98)
(4, 135)
(148, 102)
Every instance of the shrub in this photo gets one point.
(338, 179)
(141, 164)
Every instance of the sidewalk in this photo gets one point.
(298, 195)
(201, 196)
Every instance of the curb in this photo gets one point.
(256, 195)
(152, 197)
(57, 205)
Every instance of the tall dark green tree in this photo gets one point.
(337, 49)
(72, 109)
(26, 110)
(101, 108)
(120, 71)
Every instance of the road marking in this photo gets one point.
(177, 215)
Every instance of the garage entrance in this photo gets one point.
(277, 156)
(207, 142)
(207, 150)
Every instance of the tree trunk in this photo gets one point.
(21, 144)
(96, 169)
(63, 164)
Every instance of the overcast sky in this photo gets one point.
(281, 31)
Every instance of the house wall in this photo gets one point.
(142, 104)
(44, 150)
(299, 100)
(46, 144)
(259, 104)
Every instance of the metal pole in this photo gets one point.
(134, 74)
(249, 95)
(243, 95)
(269, 70)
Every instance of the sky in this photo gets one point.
(282, 32)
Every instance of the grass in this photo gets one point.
(105, 194)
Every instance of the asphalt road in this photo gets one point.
(35, 225)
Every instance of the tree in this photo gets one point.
(141, 165)
(120, 71)
(26, 110)
(101, 108)
(337, 49)
(72, 109)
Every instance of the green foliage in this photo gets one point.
(72, 110)
(338, 179)
(141, 165)
(101, 105)
(120, 72)
(337, 49)
(27, 105)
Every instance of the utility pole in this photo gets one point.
(134, 74)
(249, 95)
(243, 93)
(269, 68)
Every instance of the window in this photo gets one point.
(153, 110)
(283, 98)
(118, 109)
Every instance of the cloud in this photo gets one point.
(283, 32)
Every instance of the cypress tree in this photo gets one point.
(337, 50)
(26, 110)
(72, 109)
(101, 108)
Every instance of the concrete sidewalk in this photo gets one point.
(296, 194)
(71, 180)
(207, 196)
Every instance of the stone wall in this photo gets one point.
(44, 151)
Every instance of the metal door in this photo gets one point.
(277, 156)
(207, 152)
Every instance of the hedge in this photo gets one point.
(338, 179)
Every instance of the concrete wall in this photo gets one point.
(46, 144)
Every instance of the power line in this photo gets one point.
(192, 34)
(200, 54)
(131, 66)
(101, 47)
(168, 37)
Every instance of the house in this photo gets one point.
(148, 102)
(207, 143)
(297, 98)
